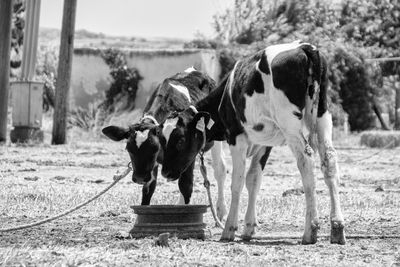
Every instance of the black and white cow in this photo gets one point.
(143, 138)
(276, 96)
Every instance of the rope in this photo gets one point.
(370, 156)
(203, 172)
(117, 177)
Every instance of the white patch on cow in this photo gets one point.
(182, 89)
(189, 70)
(194, 109)
(273, 50)
(181, 200)
(150, 117)
(210, 124)
(230, 84)
(201, 125)
(169, 126)
(141, 136)
(258, 112)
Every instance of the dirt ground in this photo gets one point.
(38, 181)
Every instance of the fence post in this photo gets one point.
(5, 47)
(64, 73)
(397, 109)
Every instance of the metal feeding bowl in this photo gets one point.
(184, 221)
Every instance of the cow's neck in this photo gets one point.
(210, 104)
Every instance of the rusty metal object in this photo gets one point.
(184, 221)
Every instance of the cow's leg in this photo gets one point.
(186, 183)
(181, 200)
(147, 192)
(219, 167)
(330, 170)
(304, 156)
(238, 153)
(253, 183)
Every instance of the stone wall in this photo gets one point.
(90, 75)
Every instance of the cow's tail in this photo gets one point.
(316, 91)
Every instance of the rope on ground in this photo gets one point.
(370, 156)
(117, 177)
(203, 171)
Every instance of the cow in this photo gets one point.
(275, 96)
(143, 138)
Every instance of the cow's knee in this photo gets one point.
(329, 163)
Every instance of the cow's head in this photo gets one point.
(185, 136)
(143, 145)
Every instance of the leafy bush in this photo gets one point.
(125, 80)
(351, 80)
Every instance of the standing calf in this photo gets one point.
(276, 96)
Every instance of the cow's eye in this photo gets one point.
(180, 144)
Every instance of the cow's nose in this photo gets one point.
(138, 179)
(166, 173)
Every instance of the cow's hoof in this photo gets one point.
(249, 231)
(228, 234)
(337, 233)
(312, 237)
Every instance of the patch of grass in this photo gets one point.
(88, 237)
(380, 139)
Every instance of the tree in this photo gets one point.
(64, 73)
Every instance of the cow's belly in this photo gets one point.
(259, 126)
(265, 132)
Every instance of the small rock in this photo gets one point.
(122, 235)
(295, 191)
(59, 178)
(35, 178)
(110, 213)
(162, 240)
(379, 189)
(98, 181)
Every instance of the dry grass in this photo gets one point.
(380, 139)
(68, 175)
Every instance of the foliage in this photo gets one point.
(201, 43)
(346, 32)
(125, 80)
(46, 69)
(351, 80)
(83, 118)
(17, 34)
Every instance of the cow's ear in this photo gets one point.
(200, 120)
(116, 133)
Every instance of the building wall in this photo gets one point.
(90, 75)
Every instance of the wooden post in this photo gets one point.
(397, 109)
(5, 47)
(64, 73)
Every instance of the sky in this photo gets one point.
(142, 18)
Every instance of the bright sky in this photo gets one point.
(145, 18)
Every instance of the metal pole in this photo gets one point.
(64, 73)
(5, 47)
(30, 39)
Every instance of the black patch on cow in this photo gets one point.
(311, 91)
(263, 66)
(299, 115)
(290, 74)
(258, 127)
(264, 158)
(246, 80)
(323, 88)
